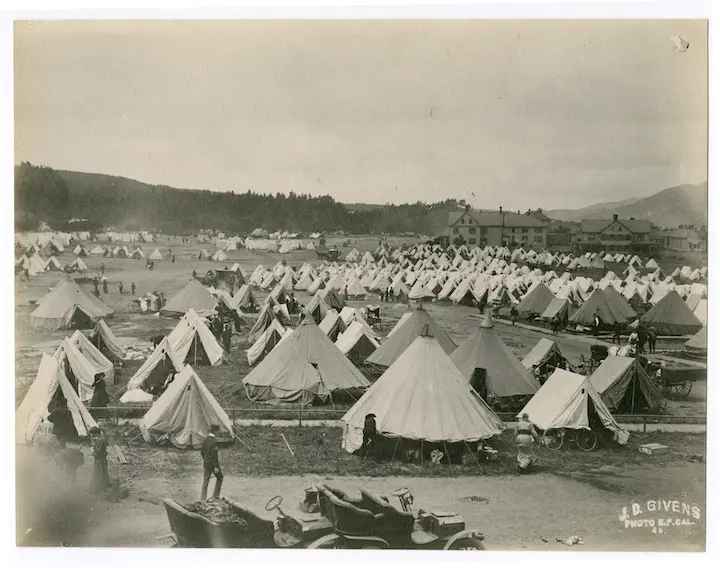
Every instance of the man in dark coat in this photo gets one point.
(100, 397)
(62, 420)
(369, 434)
(642, 337)
(211, 463)
(651, 339)
(227, 336)
(101, 479)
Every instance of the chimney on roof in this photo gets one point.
(632, 218)
(615, 217)
(501, 209)
(467, 207)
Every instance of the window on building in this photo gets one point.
(513, 230)
(470, 221)
(472, 230)
(538, 239)
(472, 240)
(456, 231)
(524, 230)
(536, 230)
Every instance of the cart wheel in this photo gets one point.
(467, 543)
(274, 503)
(554, 438)
(683, 389)
(586, 440)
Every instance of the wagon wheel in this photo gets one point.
(467, 543)
(554, 438)
(683, 389)
(586, 440)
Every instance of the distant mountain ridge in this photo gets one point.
(680, 205)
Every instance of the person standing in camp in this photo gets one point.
(102, 269)
(616, 333)
(211, 463)
(96, 291)
(651, 338)
(69, 460)
(104, 285)
(100, 398)
(369, 434)
(642, 337)
(227, 336)
(120, 287)
(525, 435)
(101, 479)
(62, 421)
(596, 323)
(132, 287)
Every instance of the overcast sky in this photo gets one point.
(522, 114)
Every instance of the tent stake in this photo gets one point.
(395, 450)
(452, 470)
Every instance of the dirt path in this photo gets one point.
(498, 506)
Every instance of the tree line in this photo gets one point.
(43, 194)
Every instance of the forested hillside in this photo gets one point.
(56, 196)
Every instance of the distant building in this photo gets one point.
(614, 235)
(684, 239)
(476, 227)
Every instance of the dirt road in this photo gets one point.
(498, 506)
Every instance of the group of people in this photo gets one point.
(638, 338)
(58, 430)
(387, 295)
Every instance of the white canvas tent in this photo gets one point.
(153, 373)
(101, 363)
(77, 368)
(192, 341)
(422, 396)
(34, 407)
(303, 367)
(563, 402)
(183, 414)
(67, 305)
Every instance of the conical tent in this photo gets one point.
(183, 414)
(78, 265)
(34, 407)
(503, 375)
(194, 296)
(404, 333)
(303, 367)
(564, 402)
(67, 305)
(104, 339)
(615, 298)
(698, 342)
(624, 385)
(671, 316)
(155, 255)
(192, 341)
(101, 363)
(536, 301)
(598, 304)
(154, 372)
(422, 396)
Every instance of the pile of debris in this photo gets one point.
(217, 510)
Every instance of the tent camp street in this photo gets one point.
(573, 492)
(223, 381)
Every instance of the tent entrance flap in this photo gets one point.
(80, 320)
(478, 381)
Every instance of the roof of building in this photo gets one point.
(498, 219)
(599, 225)
(683, 234)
